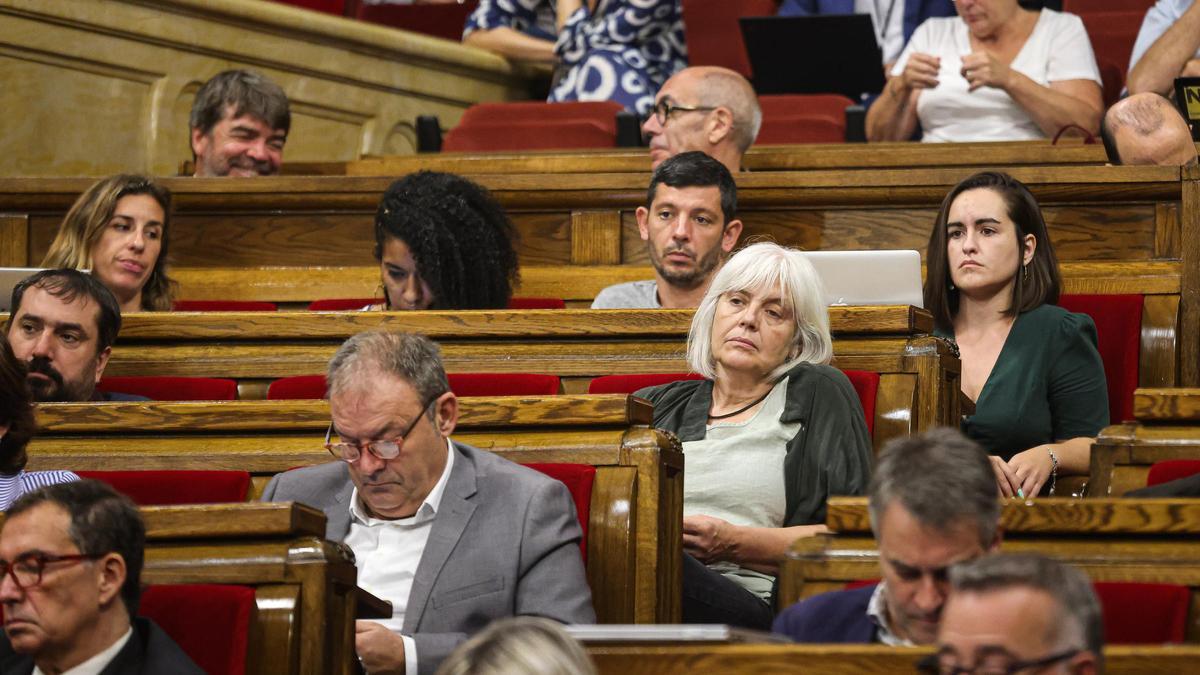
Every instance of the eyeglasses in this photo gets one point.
(350, 452)
(663, 109)
(999, 665)
(26, 570)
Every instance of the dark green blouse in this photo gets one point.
(1047, 385)
(829, 455)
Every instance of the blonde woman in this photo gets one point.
(118, 229)
(529, 645)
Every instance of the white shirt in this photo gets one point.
(1158, 19)
(387, 552)
(891, 36)
(877, 611)
(97, 663)
(1058, 49)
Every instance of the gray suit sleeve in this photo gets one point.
(553, 583)
(268, 494)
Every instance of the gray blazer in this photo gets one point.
(505, 542)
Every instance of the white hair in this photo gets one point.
(766, 265)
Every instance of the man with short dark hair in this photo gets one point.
(706, 108)
(239, 124)
(1147, 129)
(1011, 613)
(71, 560)
(453, 536)
(63, 325)
(933, 503)
(690, 226)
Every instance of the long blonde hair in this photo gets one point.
(84, 224)
(530, 645)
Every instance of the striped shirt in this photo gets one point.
(16, 484)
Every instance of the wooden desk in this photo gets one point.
(1150, 540)
(636, 511)
(1167, 427)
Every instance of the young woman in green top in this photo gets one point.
(1031, 367)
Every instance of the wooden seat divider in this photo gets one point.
(634, 538)
(1134, 540)
(1167, 427)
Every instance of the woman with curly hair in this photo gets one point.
(118, 229)
(17, 426)
(443, 242)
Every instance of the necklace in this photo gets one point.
(745, 408)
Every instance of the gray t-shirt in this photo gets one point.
(630, 295)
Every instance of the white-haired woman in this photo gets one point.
(771, 433)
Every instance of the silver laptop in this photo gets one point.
(869, 277)
(9, 277)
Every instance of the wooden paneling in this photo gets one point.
(1167, 427)
(14, 241)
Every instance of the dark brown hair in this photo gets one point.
(16, 410)
(1043, 282)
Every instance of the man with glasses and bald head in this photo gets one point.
(706, 108)
(454, 537)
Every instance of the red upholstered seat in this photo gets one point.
(1112, 35)
(1172, 469)
(1082, 7)
(1119, 330)
(342, 304)
(164, 488)
(803, 118)
(442, 20)
(462, 384)
(579, 479)
(224, 306)
(536, 303)
(210, 622)
(713, 35)
(866, 385)
(526, 125)
(1143, 614)
(158, 388)
(337, 7)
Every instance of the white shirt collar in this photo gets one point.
(97, 663)
(428, 508)
(877, 610)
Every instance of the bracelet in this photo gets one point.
(1053, 470)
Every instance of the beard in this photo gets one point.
(55, 389)
(698, 274)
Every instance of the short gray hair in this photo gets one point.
(728, 89)
(248, 92)
(1079, 623)
(413, 358)
(530, 645)
(766, 265)
(942, 478)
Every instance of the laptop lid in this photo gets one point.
(9, 277)
(834, 54)
(869, 277)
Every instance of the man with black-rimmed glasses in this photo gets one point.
(70, 567)
(452, 536)
(706, 108)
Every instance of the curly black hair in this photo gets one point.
(460, 238)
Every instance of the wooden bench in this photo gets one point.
(1149, 540)
(634, 535)
(1167, 427)
(778, 659)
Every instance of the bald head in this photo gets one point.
(725, 126)
(1147, 129)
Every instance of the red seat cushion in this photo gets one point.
(209, 622)
(713, 35)
(1118, 321)
(1112, 35)
(803, 118)
(1172, 469)
(536, 303)
(528, 125)
(164, 488)
(440, 20)
(462, 384)
(224, 306)
(342, 304)
(1085, 7)
(866, 385)
(579, 479)
(158, 388)
(1143, 614)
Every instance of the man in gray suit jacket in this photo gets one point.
(453, 536)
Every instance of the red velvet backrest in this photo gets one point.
(337, 7)
(209, 622)
(157, 388)
(627, 384)
(342, 304)
(866, 385)
(462, 384)
(1172, 469)
(224, 306)
(602, 113)
(441, 20)
(1143, 614)
(579, 479)
(1084, 7)
(167, 488)
(522, 136)
(714, 37)
(1112, 35)
(536, 303)
(803, 118)
(1118, 321)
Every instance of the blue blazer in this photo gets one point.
(915, 11)
(835, 617)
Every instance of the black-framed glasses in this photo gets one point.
(26, 570)
(994, 664)
(663, 109)
(385, 450)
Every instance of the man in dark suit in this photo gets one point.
(71, 558)
(453, 536)
(933, 503)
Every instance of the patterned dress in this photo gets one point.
(622, 52)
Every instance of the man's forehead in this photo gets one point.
(44, 526)
(79, 310)
(692, 196)
(247, 120)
